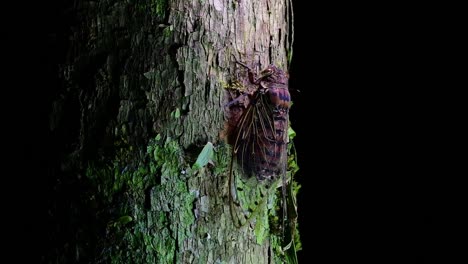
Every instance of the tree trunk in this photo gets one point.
(143, 93)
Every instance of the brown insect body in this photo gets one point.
(261, 133)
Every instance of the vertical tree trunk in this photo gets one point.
(143, 93)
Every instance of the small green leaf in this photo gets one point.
(158, 137)
(177, 113)
(124, 219)
(205, 156)
(149, 74)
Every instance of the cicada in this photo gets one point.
(260, 135)
(261, 132)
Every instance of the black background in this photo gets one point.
(366, 132)
(359, 80)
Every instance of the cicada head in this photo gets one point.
(274, 75)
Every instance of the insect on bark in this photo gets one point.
(260, 135)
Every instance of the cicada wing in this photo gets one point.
(254, 144)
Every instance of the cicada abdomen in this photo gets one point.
(260, 136)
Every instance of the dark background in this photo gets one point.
(366, 132)
(358, 80)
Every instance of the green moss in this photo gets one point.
(261, 225)
(254, 200)
(285, 247)
(222, 158)
(159, 7)
(173, 202)
(148, 234)
(168, 31)
(262, 205)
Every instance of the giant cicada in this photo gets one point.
(260, 137)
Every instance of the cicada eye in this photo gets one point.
(268, 71)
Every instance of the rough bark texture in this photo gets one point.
(143, 93)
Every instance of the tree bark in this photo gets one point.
(143, 93)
